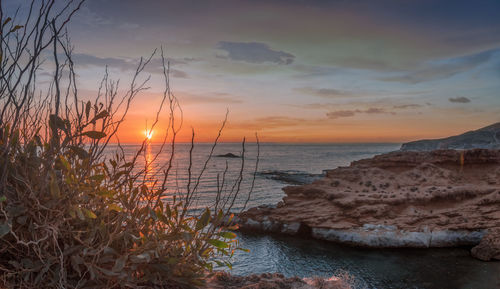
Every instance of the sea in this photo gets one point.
(259, 177)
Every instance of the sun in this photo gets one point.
(149, 134)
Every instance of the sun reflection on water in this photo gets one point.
(149, 172)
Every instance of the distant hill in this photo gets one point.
(484, 138)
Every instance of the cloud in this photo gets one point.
(155, 66)
(277, 122)
(312, 71)
(323, 92)
(348, 113)
(459, 99)
(340, 113)
(406, 106)
(444, 69)
(218, 97)
(254, 52)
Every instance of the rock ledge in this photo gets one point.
(440, 198)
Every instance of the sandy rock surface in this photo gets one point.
(400, 199)
(489, 247)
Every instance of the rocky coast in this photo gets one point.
(418, 199)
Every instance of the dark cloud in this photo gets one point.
(340, 113)
(155, 66)
(347, 113)
(444, 69)
(459, 99)
(406, 106)
(323, 92)
(254, 52)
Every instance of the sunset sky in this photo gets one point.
(302, 71)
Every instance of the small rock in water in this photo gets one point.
(228, 155)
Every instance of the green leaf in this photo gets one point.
(106, 193)
(169, 212)
(87, 109)
(89, 214)
(108, 272)
(56, 122)
(100, 115)
(6, 21)
(64, 163)
(120, 263)
(17, 27)
(98, 178)
(243, 249)
(219, 263)
(3, 199)
(114, 207)
(94, 134)
(80, 152)
(203, 220)
(152, 214)
(141, 258)
(218, 243)
(76, 261)
(72, 213)
(54, 188)
(79, 213)
(187, 236)
(227, 235)
(4, 230)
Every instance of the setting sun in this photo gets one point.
(149, 134)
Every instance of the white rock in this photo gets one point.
(389, 236)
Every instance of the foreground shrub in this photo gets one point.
(73, 216)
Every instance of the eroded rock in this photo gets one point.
(401, 199)
(223, 280)
(489, 247)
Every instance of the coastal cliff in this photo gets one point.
(484, 138)
(424, 199)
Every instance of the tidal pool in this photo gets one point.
(372, 268)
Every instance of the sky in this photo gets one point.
(301, 71)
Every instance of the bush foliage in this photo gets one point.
(72, 215)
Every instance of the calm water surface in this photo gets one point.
(434, 268)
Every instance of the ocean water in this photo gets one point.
(279, 165)
(291, 164)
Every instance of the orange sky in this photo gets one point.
(299, 130)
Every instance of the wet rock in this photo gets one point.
(291, 177)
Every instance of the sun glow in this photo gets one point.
(149, 134)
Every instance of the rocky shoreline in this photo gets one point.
(441, 198)
(224, 280)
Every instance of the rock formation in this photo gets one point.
(223, 280)
(400, 199)
(228, 155)
(290, 177)
(485, 138)
(489, 247)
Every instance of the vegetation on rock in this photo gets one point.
(71, 214)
